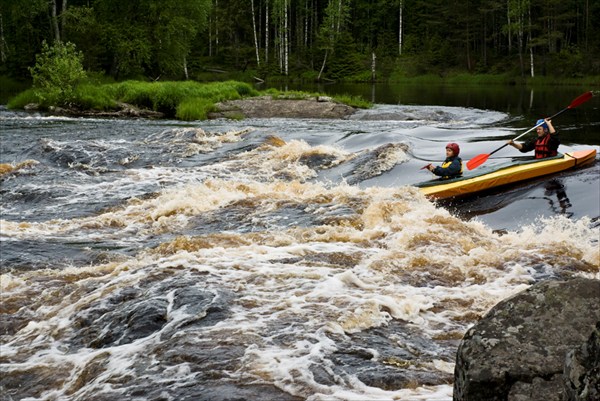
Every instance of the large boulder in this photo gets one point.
(519, 349)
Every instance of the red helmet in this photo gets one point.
(454, 147)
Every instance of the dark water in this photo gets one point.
(270, 259)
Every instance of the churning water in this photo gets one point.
(263, 259)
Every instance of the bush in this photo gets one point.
(57, 71)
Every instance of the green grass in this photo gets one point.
(22, 99)
(350, 100)
(174, 99)
(167, 97)
(195, 108)
(354, 101)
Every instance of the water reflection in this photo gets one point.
(556, 189)
(497, 200)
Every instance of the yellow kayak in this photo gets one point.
(472, 182)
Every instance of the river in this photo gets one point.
(273, 259)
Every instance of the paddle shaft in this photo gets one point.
(530, 129)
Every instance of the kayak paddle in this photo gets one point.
(480, 159)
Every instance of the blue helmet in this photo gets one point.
(544, 125)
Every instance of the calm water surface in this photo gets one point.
(273, 259)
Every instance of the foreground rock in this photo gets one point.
(266, 107)
(536, 345)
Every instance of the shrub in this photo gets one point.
(57, 71)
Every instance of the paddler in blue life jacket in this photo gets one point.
(546, 143)
(451, 167)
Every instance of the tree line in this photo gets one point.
(358, 40)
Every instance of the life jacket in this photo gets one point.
(447, 163)
(541, 148)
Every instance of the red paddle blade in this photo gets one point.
(581, 99)
(477, 161)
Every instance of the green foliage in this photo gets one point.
(354, 101)
(345, 60)
(197, 39)
(93, 97)
(196, 108)
(569, 62)
(57, 71)
(153, 37)
(24, 98)
(178, 98)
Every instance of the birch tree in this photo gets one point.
(336, 15)
(400, 7)
(280, 16)
(255, 37)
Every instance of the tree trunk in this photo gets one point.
(286, 38)
(323, 66)
(55, 22)
(216, 28)
(3, 55)
(210, 39)
(267, 34)
(63, 13)
(255, 38)
(373, 67)
(509, 26)
(520, 44)
(529, 42)
(185, 68)
(400, 28)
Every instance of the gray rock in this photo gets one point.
(266, 107)
(518, 350)
(582, 370)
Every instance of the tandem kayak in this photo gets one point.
(493, 177)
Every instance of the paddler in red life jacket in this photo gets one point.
(546, 143)
(451, 167)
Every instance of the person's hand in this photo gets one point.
(510, 142)
(431, 167)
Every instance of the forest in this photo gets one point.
(351, 40)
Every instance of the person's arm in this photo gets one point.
(551, 129)
(522, 147)
(514, 144)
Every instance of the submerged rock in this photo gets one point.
(518, 350)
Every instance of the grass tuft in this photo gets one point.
(196, 108)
